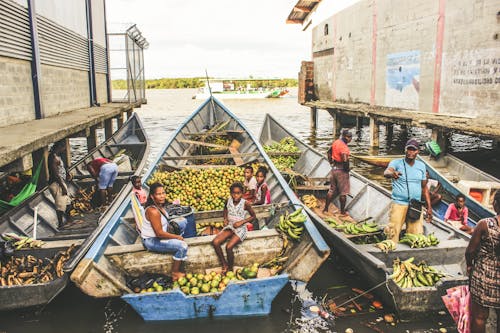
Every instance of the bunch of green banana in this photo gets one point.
(358, 228)
(418, 241)
(20, 242)
(291, 224)
(286, 145)
(386, 245)
(310, 201)
(408, 275)
(332, 222)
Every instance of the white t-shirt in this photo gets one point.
(432, 183)
(251, 184)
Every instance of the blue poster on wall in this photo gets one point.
(403, 79)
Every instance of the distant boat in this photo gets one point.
(377, 160)
(228, 89)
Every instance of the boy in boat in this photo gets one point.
(58, 175)
(250, 184)
(433, 186)
(262, 194)
(235, 225)
(457, 214)
(139, 192)
(104, 171)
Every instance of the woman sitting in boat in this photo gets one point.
(154, 230)
(235, 225)
(262, 194)
(457, 214)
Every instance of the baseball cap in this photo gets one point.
(412, 143)
(346, 133)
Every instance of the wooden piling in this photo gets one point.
(314, 118)
(108, 128)
(359, 124)
(92, 138)
(119, 120)
(67, 152)
(374, 133)
(337, 125)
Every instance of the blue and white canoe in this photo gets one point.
(118, 252)
(456, 176)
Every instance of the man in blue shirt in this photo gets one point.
(409, 181)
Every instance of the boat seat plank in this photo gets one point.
(127, 144)
(279, 153)
(225, 132)
(204, 144)
(312, 187)
(209, 157)
(233, 149)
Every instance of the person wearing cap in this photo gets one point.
(409, 181)
(338, 156)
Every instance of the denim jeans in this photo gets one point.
(178, 247)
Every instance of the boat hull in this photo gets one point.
(248, 298)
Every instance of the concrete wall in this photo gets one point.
(16, 91)
(101, 88)
(388, 52)
(63, 89)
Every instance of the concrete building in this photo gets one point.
(436, 57)
(54, 63)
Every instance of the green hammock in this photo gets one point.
(26, 192)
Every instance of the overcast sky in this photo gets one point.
(229, 38)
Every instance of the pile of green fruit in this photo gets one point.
(286, 145)
(386, 245)
(419, 241)
(408, 275)
(291, 224)
(202, 189)
(353, 228)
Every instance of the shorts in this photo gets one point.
(339, 182)
(397, 217)
(60, 200)
(178, 247)
(107, 175)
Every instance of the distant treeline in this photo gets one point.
(196, 82)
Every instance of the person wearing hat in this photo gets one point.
(338, 156)
(409, 182)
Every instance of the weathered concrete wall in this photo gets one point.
(101, 88)
(16, 91)
(63, 89)
(387, 52)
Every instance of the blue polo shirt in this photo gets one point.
(415, 174)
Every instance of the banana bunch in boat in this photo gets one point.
(20, 242)
(292, 224)
(386, 245)
(310, 201)
(419, 241)
(408, 275)
(353, 228)
(80, 201)
(28, 269)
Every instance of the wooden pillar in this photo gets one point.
(108, 128)
(67, 152)
(337, 125)
(439, 136)
(119, 120)
(389, 131)
(92, 138)
(374, 133)
(314, 118)
(359, 124)
(41, 154)
(129, 113)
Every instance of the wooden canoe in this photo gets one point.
(118, 252)
(84, 229)
(377, 160)
(369, 199)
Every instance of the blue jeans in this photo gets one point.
(178, 247)
(107, 175)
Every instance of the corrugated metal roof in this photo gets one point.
(301, 11)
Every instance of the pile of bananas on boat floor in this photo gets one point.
(419, 241)
(29, 269)
(408, 275)
(21, 242)
(81, 201)
(353, 228)
(292, 224)
(310, 201)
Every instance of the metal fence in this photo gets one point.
(126, 56)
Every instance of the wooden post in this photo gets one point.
(389, 131)
(129, 113)
(374, 133)
(439, 136)
(108, 128)
(314, 118)
(119, 120)
(359, 124)
(67, 152)
(92, 138)
(337, 125)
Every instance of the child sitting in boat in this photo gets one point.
(457, 214)
(235, 229)
(250, 184)
(139, 192)
(154, 234)
(262, 194)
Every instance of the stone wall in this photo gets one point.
(101, 88)
(426, 55)
(16, 91)
(63, 89)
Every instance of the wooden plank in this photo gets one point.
(279, 153)
(205, 144)
(226, 132)
(233, 148)
(208, 157)
(312, 187)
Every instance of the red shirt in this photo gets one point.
(98, 162)
(453, 214)
(339, 147)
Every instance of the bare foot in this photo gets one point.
(176, 276)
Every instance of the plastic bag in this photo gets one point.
(457, 301)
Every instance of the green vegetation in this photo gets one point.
(196, 82)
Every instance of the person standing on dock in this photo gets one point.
(58, 175)
(409, 182)
(338, 156)
(104, 172)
